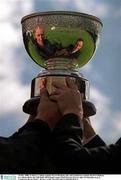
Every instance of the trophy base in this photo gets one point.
(30, 107)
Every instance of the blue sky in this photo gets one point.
(103, 71)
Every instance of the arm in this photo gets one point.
(23, 151)
(71, 157)
(26, 151)
(67, 150)
(90, 138)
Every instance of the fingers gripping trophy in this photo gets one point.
(61, 42)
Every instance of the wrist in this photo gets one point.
(41, 116)
(78, 113)
(47, 119)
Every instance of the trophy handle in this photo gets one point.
(30, 107)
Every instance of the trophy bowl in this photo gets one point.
(66, 36)
(61, 42)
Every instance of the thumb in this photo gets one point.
(44, 93)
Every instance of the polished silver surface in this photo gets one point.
(61, 39)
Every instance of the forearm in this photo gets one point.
(75, 159)
(19, 152)
(69, 126)
(72, 157)
(66, 138)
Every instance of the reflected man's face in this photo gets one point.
(39, 32)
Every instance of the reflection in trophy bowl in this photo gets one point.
(60, 42)
(66, 36)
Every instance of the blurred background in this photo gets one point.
(103, 71)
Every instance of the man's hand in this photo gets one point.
(48, 110)
(68, 98)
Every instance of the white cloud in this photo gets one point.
(9, 35)
(111, 128)
(13, 93)
(116, 122)
(94, 7)
(12, 8)
(106, 122)
(102, 105)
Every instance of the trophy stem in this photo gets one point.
(61, 64)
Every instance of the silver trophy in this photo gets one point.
(61, 42)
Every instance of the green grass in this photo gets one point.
(34, 54)
(88, 49)
(65, 38)
(61, 35)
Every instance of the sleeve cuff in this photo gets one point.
(70, 123)
(95, 141)
(86, 141)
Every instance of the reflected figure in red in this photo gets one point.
(79, 44)
(72, 49)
